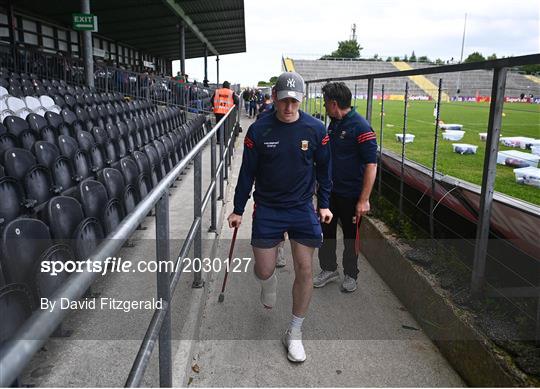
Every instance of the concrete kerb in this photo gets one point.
(475, 357)
(182, 359)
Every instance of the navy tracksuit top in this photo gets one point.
(354, 144)
(284, 159)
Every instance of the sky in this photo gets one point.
(309, 29)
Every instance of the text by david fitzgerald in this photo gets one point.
(101, 303)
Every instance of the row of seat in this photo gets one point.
(22, 107)
(32, 175)
(68, 178)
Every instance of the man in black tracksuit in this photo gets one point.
(354, 166)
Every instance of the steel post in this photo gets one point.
(402, 177)
(163, 290)
(197, 201)
(434, 164)
(88, 55)
(381, 142)
(488, 179)
(369, 106)
(182, 31)
(213, 206)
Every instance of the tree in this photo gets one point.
(405, 58)
(263, 83)
(389, 59)
(273, 80)
(346, 49)
(439, 61)
(423, 58)
(474, 57)
(530, 69)
(396, 59)
(413, 57)
(492, 57)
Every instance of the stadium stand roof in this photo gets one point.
(152, 25)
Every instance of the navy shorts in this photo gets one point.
(301, 223)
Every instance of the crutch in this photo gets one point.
(231, 249)
(357, 238)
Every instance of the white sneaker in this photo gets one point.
(268, 291)
(324, 277)
(281, 261)
(292, 340)
(349, 284)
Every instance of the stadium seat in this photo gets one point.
(48, 155)
(72, 121)
(39, 125)
(12, 197)
(34, 105)
(144, 167)
(44, 283)
(22, 242)
(63, 214)
(96, 204)
(155, 161)
(49, 105)
(133, 177)
(87, 236)
(163, 155)
(18, 106)
(20, 129)
(16, 307)
(7, 141)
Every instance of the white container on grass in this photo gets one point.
(452, 127)
(483, 136)
(535, 150)
(517, 159)
(464, 148)
(409, 138)
(528, 176)
(516, 141)
(453, 134)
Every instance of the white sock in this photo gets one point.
(296, 323)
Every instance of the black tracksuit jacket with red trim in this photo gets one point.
(354, 144)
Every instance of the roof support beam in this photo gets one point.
(172, 4)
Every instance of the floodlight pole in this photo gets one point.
(461, 57)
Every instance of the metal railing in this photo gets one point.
(33, 334)
(500, 68)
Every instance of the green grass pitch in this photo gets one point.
(518, 120)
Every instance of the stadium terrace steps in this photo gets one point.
(424, 83)
(471, 83)
(536, 79)
(289, 64)
(317, 69)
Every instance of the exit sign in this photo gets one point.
(85, 22)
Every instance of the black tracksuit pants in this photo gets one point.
(343, 209)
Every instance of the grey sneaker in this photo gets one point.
(349, 284)
(324, 277)
(281, 262)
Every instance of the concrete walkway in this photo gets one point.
(351, 340)
(361, 339)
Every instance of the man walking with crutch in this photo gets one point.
(285, 152)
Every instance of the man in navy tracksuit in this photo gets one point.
(285, 153)
(354, 167)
